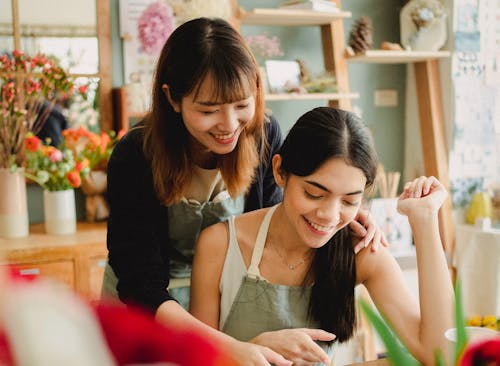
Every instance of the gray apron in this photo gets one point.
(260, 306)
(185, 222)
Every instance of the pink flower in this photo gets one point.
(155, 25)
(264, 46)
(55, 155)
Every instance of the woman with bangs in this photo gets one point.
(202, 155)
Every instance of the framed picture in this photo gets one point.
(282, 76)
(395, 226)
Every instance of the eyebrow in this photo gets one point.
(320, 186)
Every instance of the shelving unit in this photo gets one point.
(431, 120)
(397, 57)
(310, 96)
(332, 38)
(289, 17)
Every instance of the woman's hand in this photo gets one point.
(249, 354)
(424, 195)
(366, 232)
(297, 345)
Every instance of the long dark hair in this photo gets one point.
(194, 50)
(317, 136)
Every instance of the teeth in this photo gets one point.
(319, 227)
(224, 137)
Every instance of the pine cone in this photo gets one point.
(361, 36)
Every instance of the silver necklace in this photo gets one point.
(291, 267)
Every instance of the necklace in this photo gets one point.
(290, 266)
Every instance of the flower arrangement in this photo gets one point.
(29, 87)
(426, 12)
(155, 25)
(52, 168)
(475, 353)
(264, 46)
(92, 147)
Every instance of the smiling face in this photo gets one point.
(320, 204)
(214, 125)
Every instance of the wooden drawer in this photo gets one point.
(61, 271)
(96, 273)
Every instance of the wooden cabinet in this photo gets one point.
(76, 260)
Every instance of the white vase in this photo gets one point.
(13, 204)
(60, 213)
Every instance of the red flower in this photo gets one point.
(83, 89)
(483, 353)
(32, 143)
(74, 179)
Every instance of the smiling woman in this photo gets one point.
(293, 265)
(80, 39)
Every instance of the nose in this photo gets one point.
(330, 212)
(229, 120)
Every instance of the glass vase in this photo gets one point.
(59, 211)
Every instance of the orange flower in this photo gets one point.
(121, 133)
(82, 165)
(74, 179)
(105, 140)
(32, 143)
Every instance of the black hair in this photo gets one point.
(317, 136)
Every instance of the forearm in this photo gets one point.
(174, 315)
(435, 287)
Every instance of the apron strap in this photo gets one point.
(253, 270)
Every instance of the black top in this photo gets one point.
(137, 236)
(54, 125)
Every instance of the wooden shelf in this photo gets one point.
(279, 17)
(397, 57)
(310, 96)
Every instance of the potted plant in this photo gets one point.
(58, 172)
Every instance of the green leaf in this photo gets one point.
(460, 323)
(397, 353)
(439, 358)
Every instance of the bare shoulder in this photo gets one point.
(247, 226)
(370, 263)
(213, 240)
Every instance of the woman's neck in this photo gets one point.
(201, 156)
